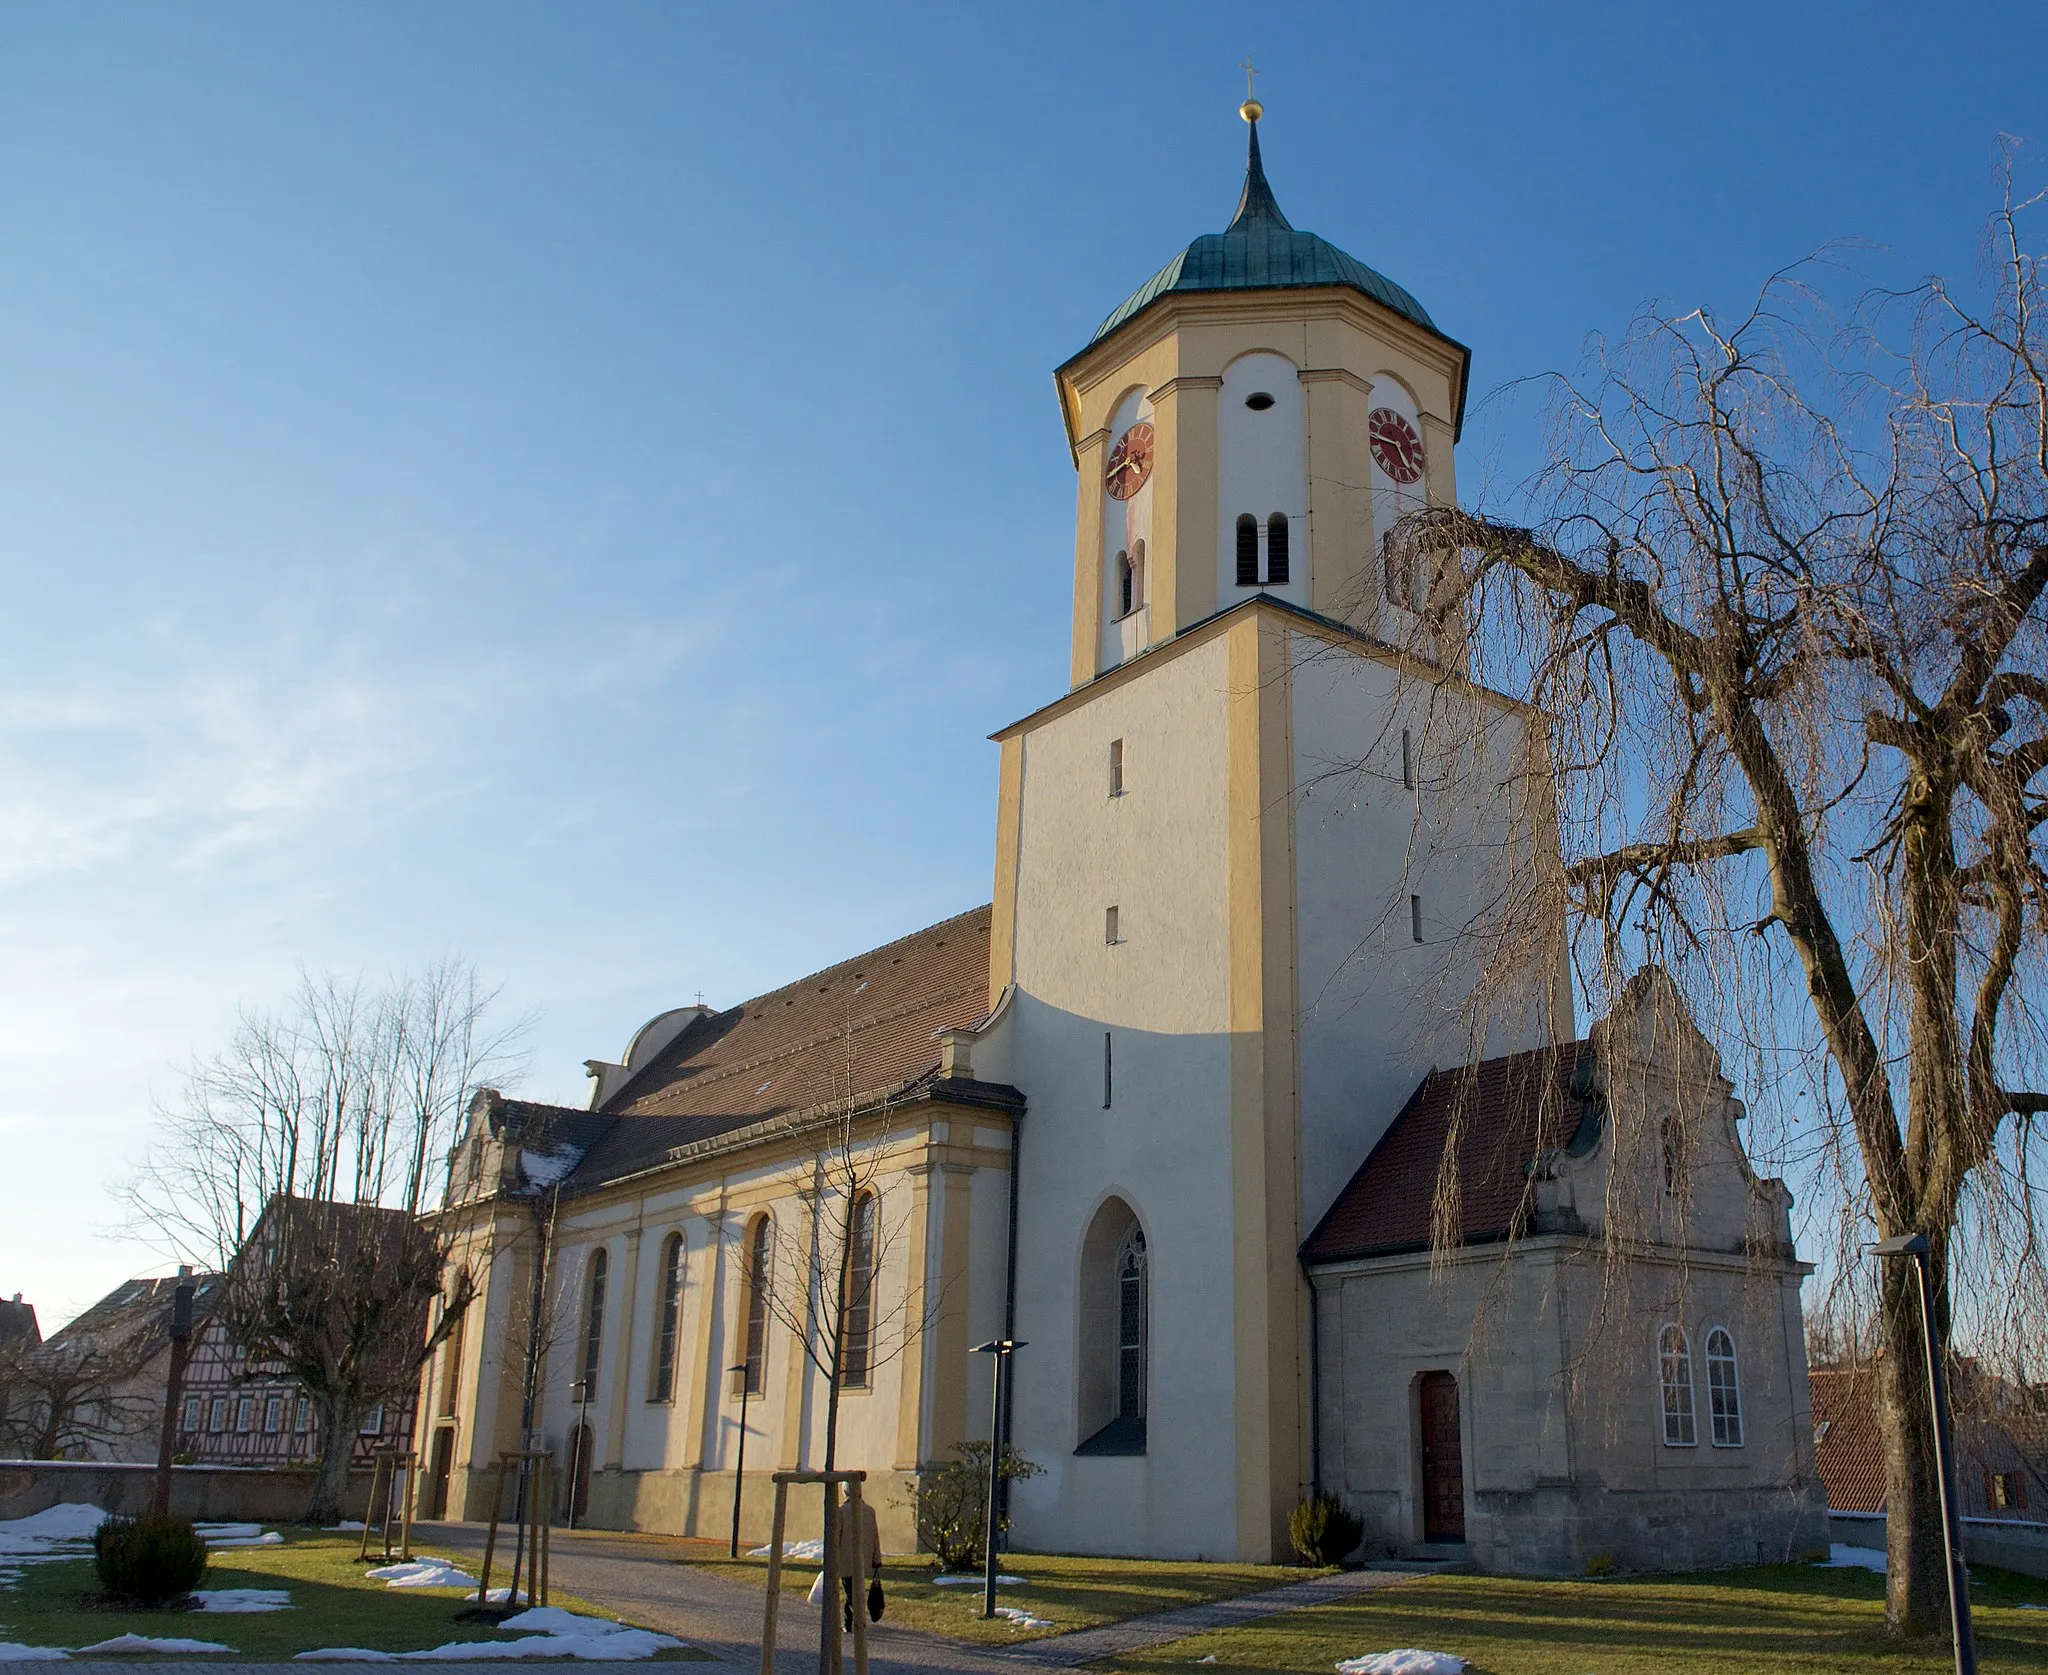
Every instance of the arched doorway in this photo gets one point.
(1443, 1460)
(440, 1465)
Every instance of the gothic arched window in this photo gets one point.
(1130, 1326)
(593, 1320)
(1124, 585)
(1674, 1376)
(753, 1345)
(1114, 1293)
(1724, 1391)
(671, 1318)
(857, 1319)
(1276, 550)
(1247, 550)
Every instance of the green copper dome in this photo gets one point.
(1261, 251)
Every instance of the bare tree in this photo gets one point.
(1781, 611)
(822, 1279)
(64, 1401)
(298, 1162)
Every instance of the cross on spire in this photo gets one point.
(1251, 110)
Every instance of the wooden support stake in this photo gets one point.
(774, 1575)
(860, 1576)
(483, 1587)
(380, 1459)
(411, 1462)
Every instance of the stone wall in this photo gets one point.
(205, 1494)
(2001, 1543)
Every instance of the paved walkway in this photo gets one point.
(638, 1576)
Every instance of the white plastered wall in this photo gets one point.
(1158, 853)
(1261, 468)
(1378, 1009)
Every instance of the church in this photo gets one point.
(1281, 1179)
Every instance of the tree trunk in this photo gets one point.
(330, 1482)
(1916, 1580)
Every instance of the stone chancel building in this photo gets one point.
(1173, 1109)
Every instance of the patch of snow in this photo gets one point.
(151, 1643)
(1211, 1658)
(814, 1550)
(1843, 1557)
(546, 1168)
(552, 1619)
(348, 1524)
(1023, 1619)
(69, 1521)
(243, 1599)
(422, 1573)
(344, 1654)
(976, 1581)
(12, 1651)
(1406, 1660)
(239, 1535)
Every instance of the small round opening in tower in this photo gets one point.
(1258, 401)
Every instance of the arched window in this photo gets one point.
(671, 1318)
(857, 1319)
(1247, 550)
(1116, 1333)
(1674, 1375)
(1124, 588)
(593, 1320)
(1276, 550)
(754, 1316)
(1130, 1326)
(1137, 575)
(1724, 1390)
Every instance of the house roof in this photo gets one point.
(864, 1029)
(1846, 1444)
(18, 1321)
(1505, 1110)
(135, 1315)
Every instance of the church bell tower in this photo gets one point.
(1204, 978)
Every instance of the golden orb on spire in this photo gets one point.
(1251, 110)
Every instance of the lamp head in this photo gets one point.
(1906, 1244)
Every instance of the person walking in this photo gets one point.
(857, 1554)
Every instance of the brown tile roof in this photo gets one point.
(864, 1028)
(1506, 1110)
(1846, 1444)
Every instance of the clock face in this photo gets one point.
(1395, 446)
(1130, 462)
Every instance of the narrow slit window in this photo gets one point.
(1137, 577)
(1415, 917)
(1110, 928)
(1276, 550)
(1247, 550)
(1407, 758)
(1124, 587)
(1116, 767)
(1108, 1070)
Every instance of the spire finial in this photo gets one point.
(1257, 202)
(1251, 110)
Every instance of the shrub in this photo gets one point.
(149, 1561)
(1321, 1531)
(952, 1503)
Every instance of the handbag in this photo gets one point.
(875, 1600)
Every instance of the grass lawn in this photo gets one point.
(332, 1605)
(1069, 1593)
(1776, 1620)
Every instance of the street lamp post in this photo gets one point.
(1915, 1245)
(999, 1351)
(739, 1471)
(578, 1466)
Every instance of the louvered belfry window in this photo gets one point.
(1247, 550)
(1276, 550)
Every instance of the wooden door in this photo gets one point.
(1443, 1461)
(440, 1464)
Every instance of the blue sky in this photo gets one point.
(575, 484)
